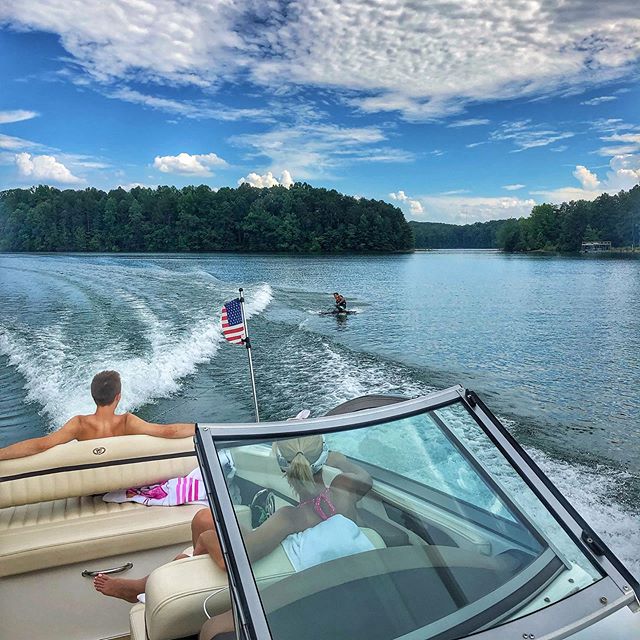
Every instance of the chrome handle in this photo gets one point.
(93, 574)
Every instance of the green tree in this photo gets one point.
(511, 236)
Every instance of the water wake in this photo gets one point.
(57, 372)
(590, 491)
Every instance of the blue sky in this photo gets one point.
(456, 112)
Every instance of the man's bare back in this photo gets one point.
(104, 423)
(94, 426)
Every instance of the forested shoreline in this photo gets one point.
(614, 218)
(300, 219)
(549, 227)
(441, 235)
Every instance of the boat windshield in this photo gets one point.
(413, 528)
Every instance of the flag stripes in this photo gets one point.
(233, 322)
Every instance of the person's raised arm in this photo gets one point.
(26, 448)
(353, 477)
(138, 426)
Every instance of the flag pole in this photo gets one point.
(247, 344)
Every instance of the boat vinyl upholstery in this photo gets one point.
(90, 467)
(176, 592)
(51, 507)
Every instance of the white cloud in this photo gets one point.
(45, 168)
(286, 180)
(165, 40)
(82, 161)
(17, 115)
(471, 122)
(415, 207)
(315, 150)
(469, 209)
(189, 165)
(624, 165)
(600, 100)
(610, 125)
(513, 187)
(133, 185)
(267, 180)
(624, 173)
(422, 59)
(12, 143)
(631, 138)
(627, 142)
(524, 134)
(188, 109)
(588, 180)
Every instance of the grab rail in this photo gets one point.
(92, 574)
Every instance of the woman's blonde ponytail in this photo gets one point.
(299, 473)
(300, 453)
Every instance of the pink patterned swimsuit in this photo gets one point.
(322, 497)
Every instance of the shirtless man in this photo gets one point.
(104, 423)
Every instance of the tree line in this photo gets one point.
(565, 227)
(198, 219)
(300, 219)
(549, 227)
(440, 235)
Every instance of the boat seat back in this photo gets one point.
(176, 592)
(93, 467)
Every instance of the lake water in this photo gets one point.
(552, 344)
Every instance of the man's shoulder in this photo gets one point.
(75, 422)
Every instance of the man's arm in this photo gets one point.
(25, 448)
(138, 426)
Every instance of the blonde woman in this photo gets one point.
(320, 528)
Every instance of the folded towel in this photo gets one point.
(173, 492)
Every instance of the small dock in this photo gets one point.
(596, 247)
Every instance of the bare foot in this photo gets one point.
(122, 588)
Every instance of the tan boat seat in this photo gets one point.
(60, 532)
(176, 592)
(51, 508)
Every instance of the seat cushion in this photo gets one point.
(136, 622)
(60, 532)
(176, 592)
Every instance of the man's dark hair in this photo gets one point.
(105, 386)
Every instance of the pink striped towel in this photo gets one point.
(173, 492)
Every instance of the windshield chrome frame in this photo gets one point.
(612, 592)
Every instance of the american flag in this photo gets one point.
(232, 324)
